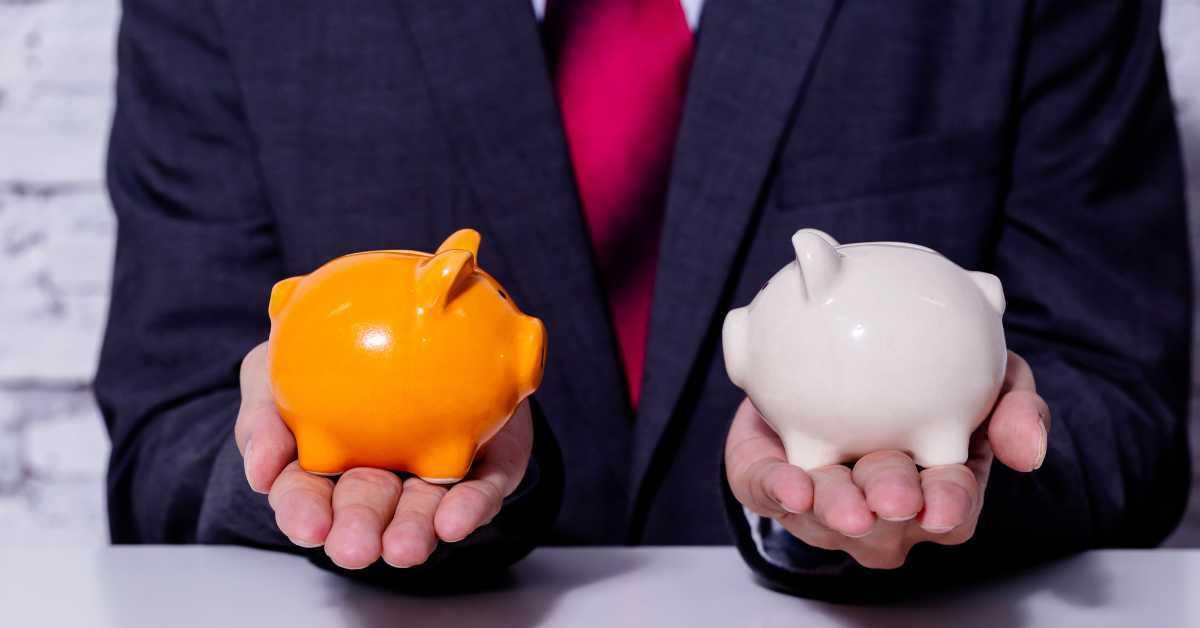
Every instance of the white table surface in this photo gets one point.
(132, 587)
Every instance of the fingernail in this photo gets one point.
(454, 538)
(246, 464)
(898, 519)
(304, 544)
(346, 567)
(939, 529)
(775, 498)
(1043, 444)
(856, 536)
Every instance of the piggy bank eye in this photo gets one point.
(502, 294)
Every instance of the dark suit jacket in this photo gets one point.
(255, 140)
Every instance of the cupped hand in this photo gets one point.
(370, 513)
(877, 510)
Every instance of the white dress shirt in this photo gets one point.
(691, 10)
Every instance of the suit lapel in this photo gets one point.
(751, 62)
(486, 70)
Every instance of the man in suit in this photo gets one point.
(636, 169)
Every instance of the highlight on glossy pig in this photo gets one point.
(400, 360)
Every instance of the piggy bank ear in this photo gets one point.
(819, 261)
(281, 294)
(440, 277)
(991, 288)
(462, 240)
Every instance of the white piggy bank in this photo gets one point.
(860, 347)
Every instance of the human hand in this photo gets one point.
(880, 508)
(369, 513)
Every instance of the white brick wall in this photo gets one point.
(1181, 39)
(56, 235)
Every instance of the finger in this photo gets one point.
(255, 388)
(466, 507)
(1018, 430)
(890, 482)
(757, 471)
(950, 497)
(1018, 375)
(839, 504)
(773, 488)
(364, 502)
(886, 547)
(270, 449)
(302, 506)
(409, 538)
(266, 444)
(496, 473)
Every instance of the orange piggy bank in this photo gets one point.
(400, 360)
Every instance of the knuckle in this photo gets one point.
(834, 475)
(888, 458)
(302, 491)
(418, 486)
(743, 466)
(486, 491)
(291, 481)
(951, 483)
(375, 480)
(744, 481)
(271, 449)
(956, 493)
(412, 521)
(358, 511)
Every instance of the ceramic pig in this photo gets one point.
(861, 347)
(400, 360)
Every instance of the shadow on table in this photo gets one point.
(523, 599)
(1077, 582)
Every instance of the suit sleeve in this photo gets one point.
(1094, 259)
(196, 258)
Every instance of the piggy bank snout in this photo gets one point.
(734, 345)
(531, 352)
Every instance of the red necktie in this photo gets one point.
(620, 71)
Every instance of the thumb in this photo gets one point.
(758, 474)
(266, 444)
(1019, 426)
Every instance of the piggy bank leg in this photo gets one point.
(321, 455)
(446, 462)
(940, 444)
(809, 453)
